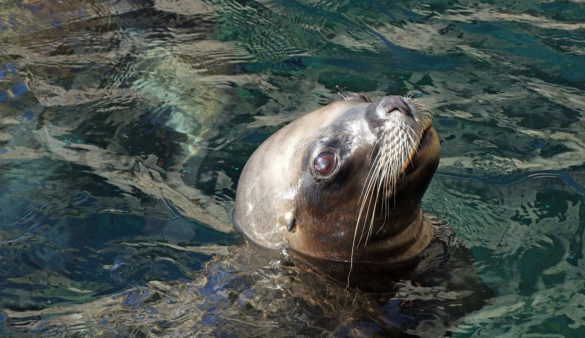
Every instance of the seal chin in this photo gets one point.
(424, 159)
(425, 138)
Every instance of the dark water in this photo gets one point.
(124, 126)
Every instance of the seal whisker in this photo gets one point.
(380, 182)
(386, 200)
(392, 172)
(373, 216)
(385, 180)
(370, 191)
(383, 185)
(420, 107)
(372, 180)
(365, 196)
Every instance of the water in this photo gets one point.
(124, 126)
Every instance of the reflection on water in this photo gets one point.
(124, 126)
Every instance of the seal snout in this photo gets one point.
(390, 104)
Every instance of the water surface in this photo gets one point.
(124, 126)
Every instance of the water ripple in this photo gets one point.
(124, 126)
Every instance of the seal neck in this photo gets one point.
(399, 247)
(388, 259)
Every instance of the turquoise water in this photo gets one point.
(124, 126)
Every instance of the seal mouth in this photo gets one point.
(423, 142)
(409, 167)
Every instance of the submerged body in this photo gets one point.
(343, 183)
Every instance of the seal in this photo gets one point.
(343, 183)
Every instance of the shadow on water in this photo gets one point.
(124, 126)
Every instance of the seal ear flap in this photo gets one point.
(356, 97)
(290, 220)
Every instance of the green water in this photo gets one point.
(124, 126)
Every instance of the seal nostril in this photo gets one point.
(392, 103)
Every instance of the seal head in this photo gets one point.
(343, 183)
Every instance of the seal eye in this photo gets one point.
(325, 163)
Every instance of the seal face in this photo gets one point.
(343, 182)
